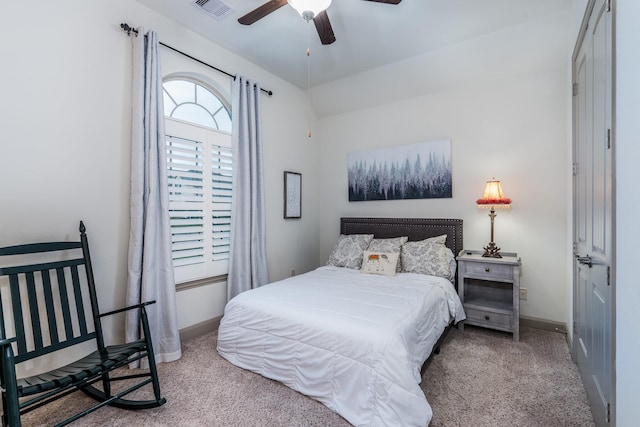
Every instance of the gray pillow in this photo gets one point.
(349, 250)
(430, 257)
(392, 245)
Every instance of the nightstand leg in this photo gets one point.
(516, 304)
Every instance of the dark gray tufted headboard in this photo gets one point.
(414, 228)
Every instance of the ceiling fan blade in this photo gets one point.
(386, 1)
(324, 28)
(261, 12)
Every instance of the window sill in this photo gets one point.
(200, 282)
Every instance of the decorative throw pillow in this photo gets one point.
(348, 251)
(392, 245)
(453, 265)
(428, 256)
(383, 263)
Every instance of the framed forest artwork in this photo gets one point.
(416, 171)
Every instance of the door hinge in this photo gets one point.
(608, 412)
(575, 89)
(608, 139)
(608, 5)
(608, 275)
(574, 168)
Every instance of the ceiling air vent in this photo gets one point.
(215, 8)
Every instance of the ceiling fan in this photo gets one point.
(309, 9)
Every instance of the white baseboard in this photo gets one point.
(545, 325)
(201, 328)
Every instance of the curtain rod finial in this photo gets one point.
(128, 29)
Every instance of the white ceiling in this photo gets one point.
(369, 34)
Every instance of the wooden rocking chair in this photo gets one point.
(46, 313)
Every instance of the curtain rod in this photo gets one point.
(128, 29)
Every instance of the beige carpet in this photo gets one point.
(480, 378)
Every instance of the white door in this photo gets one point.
(593, 226)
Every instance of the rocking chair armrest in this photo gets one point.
(7, 341)
(143, 304)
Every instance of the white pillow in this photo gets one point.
(383, 263)
(391, 245)
(348, 251)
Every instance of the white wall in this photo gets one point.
(508, 121)
(627, 210)
(64, 152)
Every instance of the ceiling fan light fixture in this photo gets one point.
(309, 9)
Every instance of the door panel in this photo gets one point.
(582, 335)
(601, 172)
(580, 155)
(601, 325)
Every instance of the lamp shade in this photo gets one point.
(313, 6)
(493, 196)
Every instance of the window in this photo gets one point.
(191, 102)
(200, 170)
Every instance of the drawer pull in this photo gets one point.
(486, 317)
(487, 269)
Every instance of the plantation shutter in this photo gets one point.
(221, 176)
(200, 170)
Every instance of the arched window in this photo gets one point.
(192, 102)
(200, 169)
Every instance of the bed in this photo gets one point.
(355, 342)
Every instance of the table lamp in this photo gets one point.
(492, 199)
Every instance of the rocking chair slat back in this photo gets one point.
(35, 292)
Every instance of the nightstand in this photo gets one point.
(489, 289)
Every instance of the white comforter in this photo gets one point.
(355, 342)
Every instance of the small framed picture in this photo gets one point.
(292, 195)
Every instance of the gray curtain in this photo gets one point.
(150, 272)
(248, 257)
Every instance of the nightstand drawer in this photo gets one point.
(489, 271)
(495, 320)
